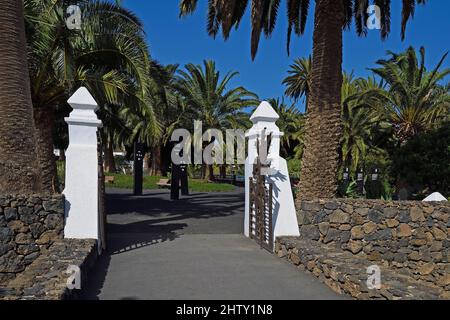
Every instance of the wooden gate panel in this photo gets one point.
(260, 209)
(101, 194)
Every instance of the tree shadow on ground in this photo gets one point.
(135, 222)
(120, 244)
(138, 221)
(198, 205)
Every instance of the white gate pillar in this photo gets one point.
(284, 214)
(81, 186)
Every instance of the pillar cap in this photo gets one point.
(84, 107)
(82, 99)
(264, 112)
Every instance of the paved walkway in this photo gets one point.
(190, 249)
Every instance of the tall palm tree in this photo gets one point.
(18, 161)
(208, 98)
(323, 128)
(415, 100)
(108, 55)
(298, 83)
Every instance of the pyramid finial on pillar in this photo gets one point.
(264, 112)
(84, 107)
(82, 98)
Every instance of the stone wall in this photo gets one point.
(28, 226)
(410, 237)
(46, 277)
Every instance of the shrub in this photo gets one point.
(424, 162)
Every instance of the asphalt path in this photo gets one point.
(190, 249)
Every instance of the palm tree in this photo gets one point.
(290, 123)
(108, 55)
(208, 98)
(414, 100)
(323, 127)
(298, 83)
(361, 122)
(114, 133)
(169, 108)
(18, 161)
(126, 124)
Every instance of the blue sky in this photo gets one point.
(175, 40)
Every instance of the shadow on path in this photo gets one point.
(135, 222)
(192, 249)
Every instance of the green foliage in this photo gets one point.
(292, 124)
(414, 100)
(61, 170)
(381, 117)
(167, 104)
(298, 82)
(361, 123)
(209, 99)
(150, 183)
(424, 161)
(108, 55)
(387, 191)
(351, 190)
(295, 191)
(122, 163)
(294, 166)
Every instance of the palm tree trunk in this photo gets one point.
(110, 164)
(203, 171)
(147, 164)
(223, 171)
(211, 172)
(18, 160)
(156, 161)
(306, 102)
(44, 124)
(323, 124)
(166, 151)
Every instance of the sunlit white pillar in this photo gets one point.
(284, 213)
(81, 181)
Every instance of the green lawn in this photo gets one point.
(126, 182)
